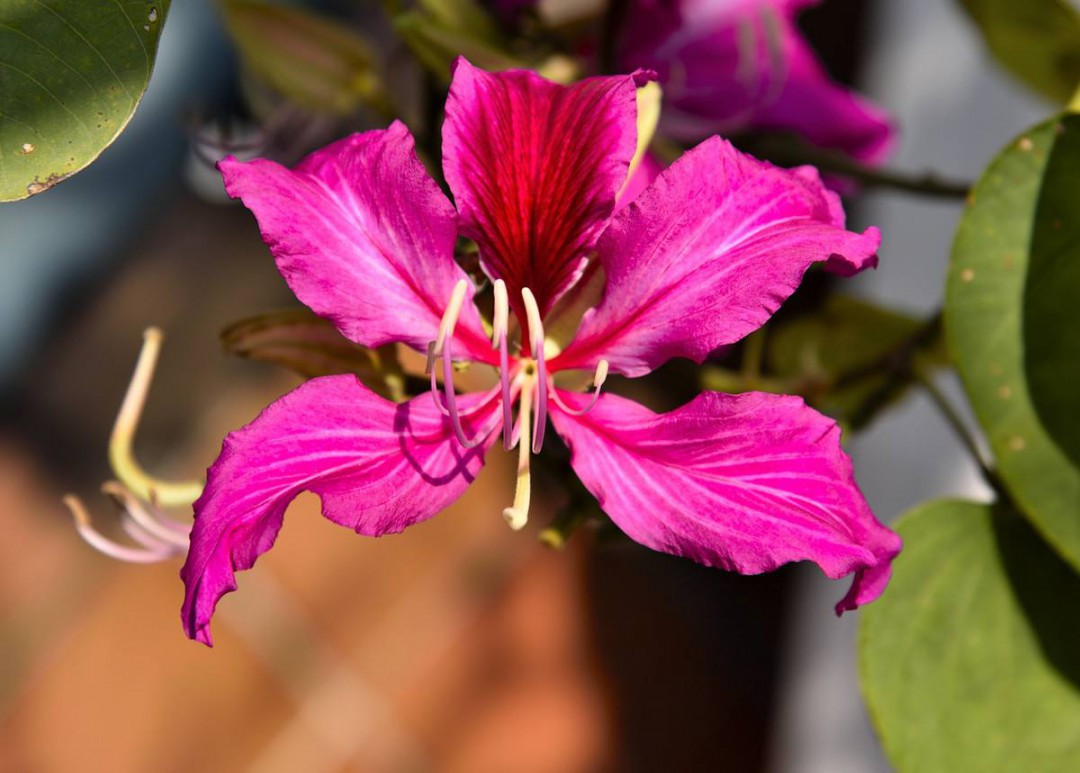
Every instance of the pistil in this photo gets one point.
(518, 515)
(121, 457)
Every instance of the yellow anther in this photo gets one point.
(600, 376)
(501, 318)
(532, 316)
(450, 318)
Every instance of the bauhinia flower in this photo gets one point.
(366, 238)
(734, 65)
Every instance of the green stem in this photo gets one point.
(959, 427)
(786, 152)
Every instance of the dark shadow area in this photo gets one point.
(1050, 329)
(1047, 589)
(689, 657)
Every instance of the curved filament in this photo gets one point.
(121, 456)
(599, 377)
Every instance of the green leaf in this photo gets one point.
(984, 316)
(313, 60)
(1037, 40)
(71, 75)
(1051, 309)
(850, 358)
(311, 346)
(970, 661)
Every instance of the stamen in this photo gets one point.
(442, 348)
(518, 515)
(152, 519)
(599, 377)
(499, 324)
(145, 555)
(121, 456)
(450, 317)
(501, 317)
(451, 399)
(142, 536)
(536, 344)
(541, 401)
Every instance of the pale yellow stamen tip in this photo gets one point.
(78, 511)
(601, 374)
(450, 318)
(502, 312)
(532, 315)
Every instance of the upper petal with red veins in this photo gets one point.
(535, 167)
(705, 256)
(363, 236)
(377, 466)
(745, 482)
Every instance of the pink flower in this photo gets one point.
(731, 65)
(365, 238)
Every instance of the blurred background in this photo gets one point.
(458, 645)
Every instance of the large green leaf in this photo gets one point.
(1051, 309)
(1038, 40)
(984, 316)
(971, 659)
(71, 74)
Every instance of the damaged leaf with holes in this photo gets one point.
(71, 75)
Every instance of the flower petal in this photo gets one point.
(733, 66)
(705, 256)
(535, 167)
(363, 236)
(825, 113)
(745, 482)
(378, 467)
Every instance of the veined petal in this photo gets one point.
(378, 467)
(535, 167)
(705, 256)
(744, 482)
(363, 236)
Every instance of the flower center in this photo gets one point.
(526, 381)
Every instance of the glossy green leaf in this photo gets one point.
(315, 61)
(970, 661)
(984, 316)
(1037, 40)
(310, 346)
(71, 75)
(1051, 308)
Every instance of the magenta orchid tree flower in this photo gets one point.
(734, 65)
(366, 238)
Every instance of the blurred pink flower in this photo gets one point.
(701, 258)
(727, 66)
